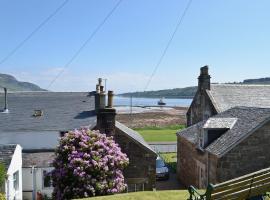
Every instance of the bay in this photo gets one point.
(125, 101)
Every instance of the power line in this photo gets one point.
(75, 55)
(181, 18)
(13, 51)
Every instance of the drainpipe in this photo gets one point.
(34, 183)
(6, 104)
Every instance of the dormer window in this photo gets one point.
(213, 129)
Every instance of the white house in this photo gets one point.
(35, 121)
(11, 157)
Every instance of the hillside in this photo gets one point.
(263, 81)
(13, 84)
(187, 92)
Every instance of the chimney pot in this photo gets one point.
(102, 101)
(97, 88)
(100, 81)
(101, 88)
(110, 99)
(204, 79)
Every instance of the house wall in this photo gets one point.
(142, 166)
(248, 156)
(37, 176)
(200, 109)
(42, 139)
(194, 167)
(15, 166)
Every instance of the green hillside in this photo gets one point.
(187, 92)
(12, 84)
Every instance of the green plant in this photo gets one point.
(2, 196)
(3, 174)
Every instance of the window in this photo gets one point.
(16, 180)
(47, 179)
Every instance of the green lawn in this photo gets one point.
(160, 134)
(158, 195)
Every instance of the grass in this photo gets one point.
(155, 195)
(159, 134)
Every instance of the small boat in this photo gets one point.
(161, 102)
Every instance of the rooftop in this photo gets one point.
(226, 96)
(59, 111)
(6, 153)
(248, 120)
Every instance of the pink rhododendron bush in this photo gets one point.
(88, 164)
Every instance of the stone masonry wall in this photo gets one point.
(188, 160)
(200, 109)
(142, 167)
(250, 155)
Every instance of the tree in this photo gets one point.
(88, 164)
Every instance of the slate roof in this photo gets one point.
(133, 135)
(41, 159)
(248, 120)
(61, 111)
(226, 96)
(6, 153)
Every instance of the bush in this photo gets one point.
(88, 164)
(2, 175)
(2, 196)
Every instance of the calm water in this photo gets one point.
(125, 101)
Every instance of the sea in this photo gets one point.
(125, 101)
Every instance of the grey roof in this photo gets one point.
(135, 136)
(41, 159)
(61, 111)
(6, 153)
(248, 120)
(226, 96)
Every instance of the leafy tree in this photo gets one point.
(88, 164)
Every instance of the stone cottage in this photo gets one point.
(211, 99)
(36, 120)
(230, 144)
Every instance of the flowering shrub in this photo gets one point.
(87, 164)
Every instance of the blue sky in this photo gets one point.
(231, 36)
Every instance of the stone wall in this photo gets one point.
(252, 154)
(142, 168)
(192, 165)
(200, 109)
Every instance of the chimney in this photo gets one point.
(6, 103)
(106, 115)
(204, 79)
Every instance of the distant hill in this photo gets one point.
(263, 81)
(13, 84)
(187, 92)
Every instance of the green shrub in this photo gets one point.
(2, 174)
(2, 196)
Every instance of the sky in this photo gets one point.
(230, 36)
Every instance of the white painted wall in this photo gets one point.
(31, 140)
(15, 165)
(28, 182)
